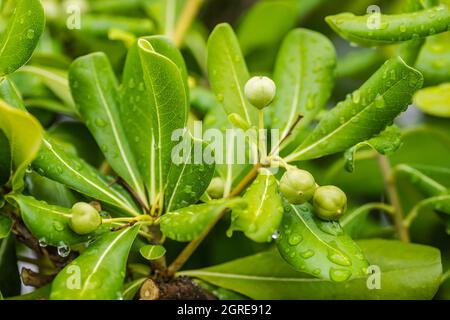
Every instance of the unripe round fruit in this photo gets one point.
(85, 219)
(330, 202)
(260, 91)
(297, 186)
(216, 188)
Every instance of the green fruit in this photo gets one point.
(297, 186)
(216, 188)
(330, 202)
(260, 91)
(85, 219)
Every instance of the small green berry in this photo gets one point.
(330, 202)
(297, 186)
(216, 188)
(260, 91)
(85, 218)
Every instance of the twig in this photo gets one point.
(286, 136)
(393, 196)
(134, 194)
(188, 15)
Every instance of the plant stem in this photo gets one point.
(188, 15)
(262, 138)
(193, 245)
(393, 196)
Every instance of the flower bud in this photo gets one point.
(85, 218)
(330, 202)
(297, 186)
(260, 91)
(216, 188)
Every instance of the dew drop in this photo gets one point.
(339, 275)
(316, 272)
(295, 239)
(275, 235)
(43, 242)
(30, 34)
(58, 226)
(356, 96)
(63, 250)
(100, 122)
(338, 258)
(307, 254)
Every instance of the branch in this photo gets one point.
(188, 15)
(181, 288)
(394, 199)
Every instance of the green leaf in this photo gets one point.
(318, 247)
(365, 113)
(20, 38)
(10, 94)
(152, 252)
(24, 134)
(385, 143)
(9, 273)
(96, 94)
(304, 75)
(228, 73)
(408, 271)
(56, 80)
(155, 104)
(75, 138)
(188, 181)
(434, 101)
(6, 224)
(188, 223)
(58, 165)
(264, 210)
(101, 269)
(266, 23)
(434, 59)
(392, 28)
(132, 288)
(50, 191)
(50, 223)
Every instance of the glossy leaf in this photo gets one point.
(96, 93)
(188, 223)
(5, 226)
(56, 164)
(188, 181)
(5, 159)
(10, 93)
(24, 134)
(50, 223)
(408, 271)
(50, 191)
(101, 269)
(391, 28)
(434, 59)
(21, 35)
(365, 113)
(304, 75)
(318, 247)
(155, 85)
(228, 73)
(424, 184)
(385, 143)
(434, 101)
(264, 210)
(152, 252)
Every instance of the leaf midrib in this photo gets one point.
(293, 156)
